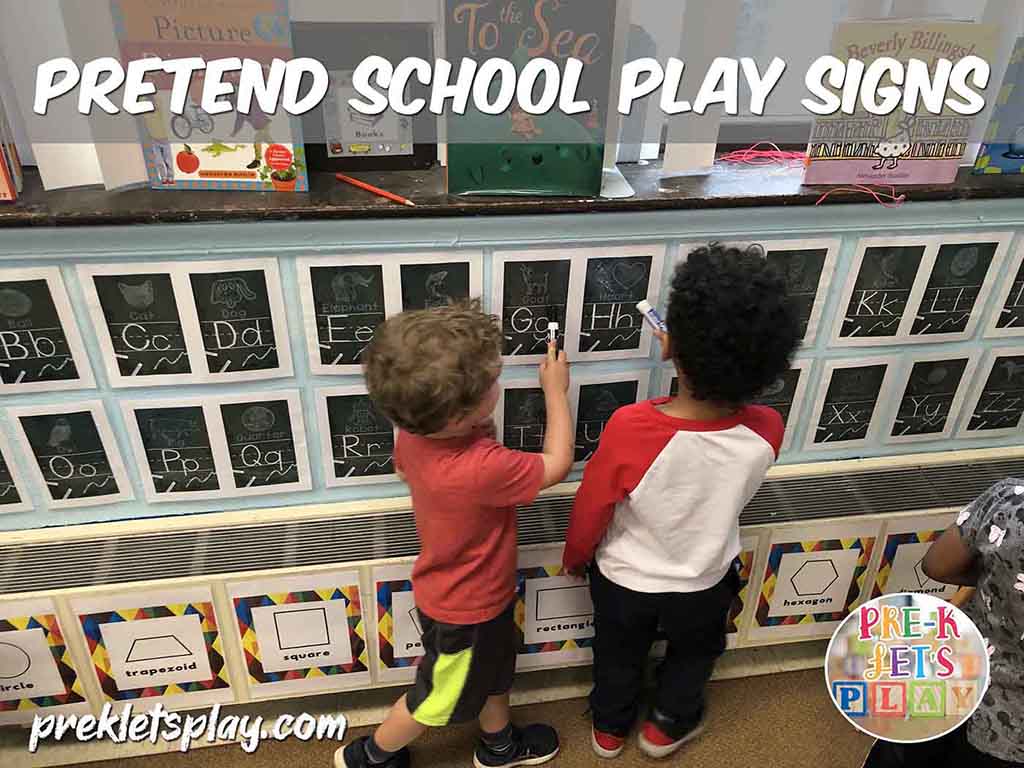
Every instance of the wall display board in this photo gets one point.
(75, 455)
(851, 396)
(357, 441)
(786, 395)
(1008, 314)
(302, 634)
(397, 624)
(594, 399)
(346, 296)
(814, 576)
(554, 614)
(189, 322)
(997, 400)
(932, 393)
(614, 280)
(37, 673)
(41, 348)
(157, 645)
(531, 289)
(13, 489)
(926, 289)
(903, 547)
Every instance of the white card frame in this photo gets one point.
(110, 447)
(279, 318)
(883, 402)
(326, 449)
(574, 298)
(69, 326)
(293, 397)
(218, 447)
(900, 387)
(642, 379)
(379, 573)
(1002, 240)
(1002, 296)
(978, 386)
(578, 273)
(930, 245)
(17, 478)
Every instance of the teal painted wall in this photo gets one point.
(69, 246)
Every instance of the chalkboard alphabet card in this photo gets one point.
(1008, 314)
(241, 318)
(613, 281)
(932, 392)
(344, 299)
(75, 455)
(807, 266)
(13, 490)
(357, 441)
(431, 280)
(135, 311)
(266, 442)
(878, 293)
(997, 401)
(531, 289)
(960, 276)
(177, 455)
(521, 416)
(668, 382)
(851, 395)
(41, 348)
(594, 399)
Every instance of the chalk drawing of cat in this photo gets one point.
(137, 296)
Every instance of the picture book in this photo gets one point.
(897, 148)
(1005, 152)
(10, 164)
(196, 150)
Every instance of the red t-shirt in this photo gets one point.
(464, 494)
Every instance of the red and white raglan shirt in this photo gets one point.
(660, 502)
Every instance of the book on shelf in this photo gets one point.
(10, 163)
(1003, 151)
(898, 148)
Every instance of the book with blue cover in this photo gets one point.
(1007, 121)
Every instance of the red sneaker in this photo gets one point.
(606, 745)
(655, 743)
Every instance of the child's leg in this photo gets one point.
(695, 625)
(398, 729)
(625, 623)
(496, 713)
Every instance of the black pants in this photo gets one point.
(951, 751)
(626, 623)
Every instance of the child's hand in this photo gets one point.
(554, 371)
(579, 572)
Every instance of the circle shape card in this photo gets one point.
(907, 667)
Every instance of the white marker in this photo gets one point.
(552, 333)
(651, 316)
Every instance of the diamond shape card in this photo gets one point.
(905, 542)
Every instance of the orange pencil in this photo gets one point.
(376, 190)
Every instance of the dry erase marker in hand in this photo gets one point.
(651, 316)
(552, 333)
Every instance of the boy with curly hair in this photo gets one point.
(658, 510)
(434, 373)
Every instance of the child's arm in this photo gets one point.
(594, 506)
(950, 560)
(962, 596)
(558, 437)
